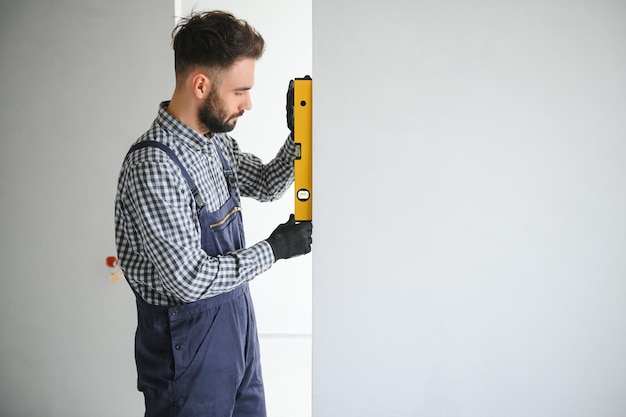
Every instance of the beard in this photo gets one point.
(214, 116)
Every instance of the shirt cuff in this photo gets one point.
(265, 255)
(289, 148)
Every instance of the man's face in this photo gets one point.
(228, 100)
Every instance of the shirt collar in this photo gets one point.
(180, 130)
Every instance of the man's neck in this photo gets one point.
(183, 110)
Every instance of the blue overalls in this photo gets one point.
(202, 358)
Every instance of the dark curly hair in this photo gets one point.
(213, 40)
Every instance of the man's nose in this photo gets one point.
(247, 102)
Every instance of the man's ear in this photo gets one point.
(201, 85)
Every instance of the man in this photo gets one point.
(179, 231)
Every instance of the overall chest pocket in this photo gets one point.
(222, 230)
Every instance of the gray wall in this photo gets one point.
(79, 81)
(470, 224)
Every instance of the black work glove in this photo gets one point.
(289, 106)
(291, 239)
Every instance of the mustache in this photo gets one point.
(234, 116)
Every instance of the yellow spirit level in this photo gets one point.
(303, 137)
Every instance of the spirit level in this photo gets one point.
(303, 137)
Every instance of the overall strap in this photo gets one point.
(230, 176)
(174, 158)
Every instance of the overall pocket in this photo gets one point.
(222, 230)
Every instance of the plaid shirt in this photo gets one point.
(157, 231)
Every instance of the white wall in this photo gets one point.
(469, 215)
(283, 294)
(79, 81)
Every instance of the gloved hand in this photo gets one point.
(289, 107)
(291, 239)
